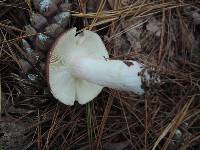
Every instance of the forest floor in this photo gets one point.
(164, 35)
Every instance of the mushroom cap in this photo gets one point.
(68, 48)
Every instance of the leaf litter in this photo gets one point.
(164, 35)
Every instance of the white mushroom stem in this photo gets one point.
(110, 73)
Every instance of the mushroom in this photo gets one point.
(79, 67)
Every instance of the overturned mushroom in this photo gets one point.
(79, 68)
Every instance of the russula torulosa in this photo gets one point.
(79, 68)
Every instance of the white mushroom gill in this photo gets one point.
(79, 67)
